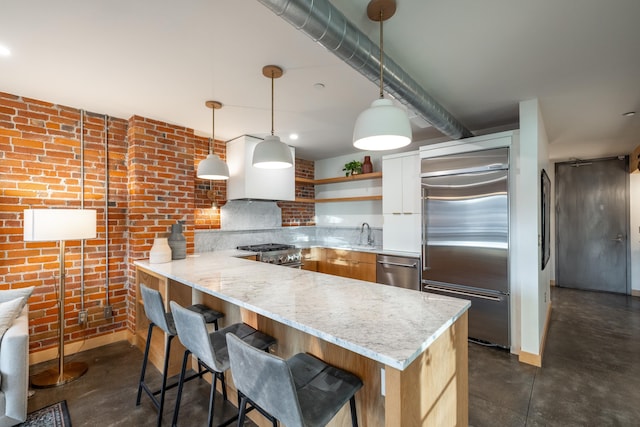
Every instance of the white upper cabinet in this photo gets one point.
(401, 183)
(247, 182)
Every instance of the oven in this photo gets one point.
(276, 253)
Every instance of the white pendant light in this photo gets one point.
(383, 126)
(271, 153)
(213, 167)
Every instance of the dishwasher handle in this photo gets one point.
(397, 264)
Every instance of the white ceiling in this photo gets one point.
(163, 59)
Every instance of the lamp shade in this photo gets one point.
(271, 153)
(44, 225)
(383, 126)
(213, 168)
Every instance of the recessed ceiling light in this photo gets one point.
(4, 51)
(293, 136)
(629, 114)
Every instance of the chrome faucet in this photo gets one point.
(369, 236)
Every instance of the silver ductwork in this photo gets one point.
(326, 25)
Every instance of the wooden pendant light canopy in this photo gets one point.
(272, 71)
(213, 104)
(378, 10)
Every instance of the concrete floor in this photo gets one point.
(590, 376)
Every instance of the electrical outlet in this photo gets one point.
(108, 312)
(82, 317)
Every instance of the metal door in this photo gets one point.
(592, 205)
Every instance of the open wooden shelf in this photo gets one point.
(339, 199)
(358, 177)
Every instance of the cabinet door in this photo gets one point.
(350, 264)
(392, 185)
(411, 184)
(363, 266)
(336, 262)
(401, 184)
(402, 233)
(311, 259)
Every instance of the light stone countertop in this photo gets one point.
(384, 323)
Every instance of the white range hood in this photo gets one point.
(247, 182)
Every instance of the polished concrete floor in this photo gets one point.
(590, 376)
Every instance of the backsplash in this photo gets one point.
(214, 240)
(250, 215)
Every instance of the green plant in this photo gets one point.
(354, 167)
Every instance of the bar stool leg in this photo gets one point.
(174, 423)
(212, 400)
(223, 384)
(163, 390)
(144, 363)
(242, 404)
(354, 414)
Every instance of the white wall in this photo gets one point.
(634, 231)
(348, 214)
(532, 283)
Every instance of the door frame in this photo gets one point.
(627, 213)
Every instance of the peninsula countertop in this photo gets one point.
(390, 325)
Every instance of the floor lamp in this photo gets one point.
(46, 225)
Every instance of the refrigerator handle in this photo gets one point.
(427, 288)
(425, 253)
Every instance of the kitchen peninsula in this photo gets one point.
(409, 348)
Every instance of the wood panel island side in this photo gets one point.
(409, 348)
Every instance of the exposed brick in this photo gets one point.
(152, 184)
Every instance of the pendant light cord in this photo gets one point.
(381, 56)
(213, 128)
(272, 96)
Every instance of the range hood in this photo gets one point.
(246, 182)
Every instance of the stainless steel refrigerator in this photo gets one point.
(465, 236)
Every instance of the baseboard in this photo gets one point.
(530, 358)
(536, 359)
(552, 282)
(635, 293)
(78, 346)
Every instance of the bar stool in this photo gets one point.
(300, 391)
(154, 310)
(211, 349)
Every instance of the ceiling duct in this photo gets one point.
(326, 25)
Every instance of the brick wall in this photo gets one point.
(299, 213)
(151, 184)
(40, 159)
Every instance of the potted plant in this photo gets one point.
(354, 167)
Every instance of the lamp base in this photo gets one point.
(52, 378)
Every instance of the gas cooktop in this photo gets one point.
(265, 247)
(276, 253)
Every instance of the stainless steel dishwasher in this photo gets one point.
(403, 272)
